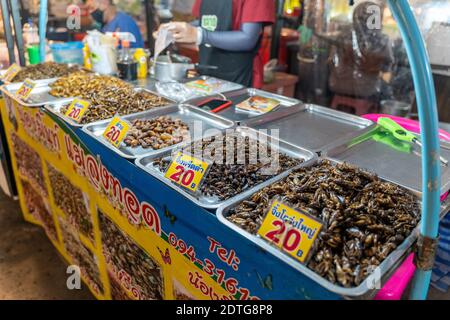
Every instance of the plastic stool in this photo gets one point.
(353, 105)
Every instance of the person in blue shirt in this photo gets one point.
(117, 21)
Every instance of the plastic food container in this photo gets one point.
(68, 52)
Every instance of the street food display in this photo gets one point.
(107, 96)
(82, 84)
(230, 177)
(176, 208)
(45, 70)
(365, 218)
(158, 133)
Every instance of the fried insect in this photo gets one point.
(107, 95)
(365, 218)
(158, 133)
(243, 169)
(45, 70)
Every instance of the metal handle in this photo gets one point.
(427, 107)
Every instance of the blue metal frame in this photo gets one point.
(42, 28)
(426, 103)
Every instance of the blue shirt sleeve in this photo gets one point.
(122, 22)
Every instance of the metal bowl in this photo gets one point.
(395, 108)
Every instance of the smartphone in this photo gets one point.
(214, 105)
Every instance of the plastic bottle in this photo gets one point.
(87, 62)
(142, 65)
(30, 33)
(31, 41)
(126, 64)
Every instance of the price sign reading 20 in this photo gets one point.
(292, 231)
(187, 171)
(116, 131)
(77, 109)
(25, 89)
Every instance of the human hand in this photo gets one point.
(183, 32)
(161, 26)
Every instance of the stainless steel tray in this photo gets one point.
(187, 114)
(38, 97)
(402, 167)
(48, 80)
(387, 267)
(43, 81)
(56, 107)
(146, 163)
(312, 127)
(241, 95)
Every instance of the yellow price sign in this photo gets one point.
(187, 171)
(292, 231)
(11, 72)
(116, 131)
(77, 109)
(25, 89)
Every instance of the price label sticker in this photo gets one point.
(292, 231)
(187, 171)
(25, 89)
(116, 131)
(199, 85)
(11, 72)
(77, 109)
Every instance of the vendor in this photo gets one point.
(229, 34)
(361, 57)
(112, 20)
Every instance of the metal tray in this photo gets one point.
(57, 106)
(387, 267)
(400, 167)
(48, 80)
(146, 163)
(38, 97)
(187, 114)
(241, 95)
(312, 127)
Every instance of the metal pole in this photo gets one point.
(42, 28)
(8, 31)
(276, 29)
(431, 170)
(150, 23)
(17, 30)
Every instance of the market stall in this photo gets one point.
(102, 165)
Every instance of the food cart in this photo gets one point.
(112, 211)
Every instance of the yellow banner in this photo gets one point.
(96, 223)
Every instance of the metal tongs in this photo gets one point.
(402, 134)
